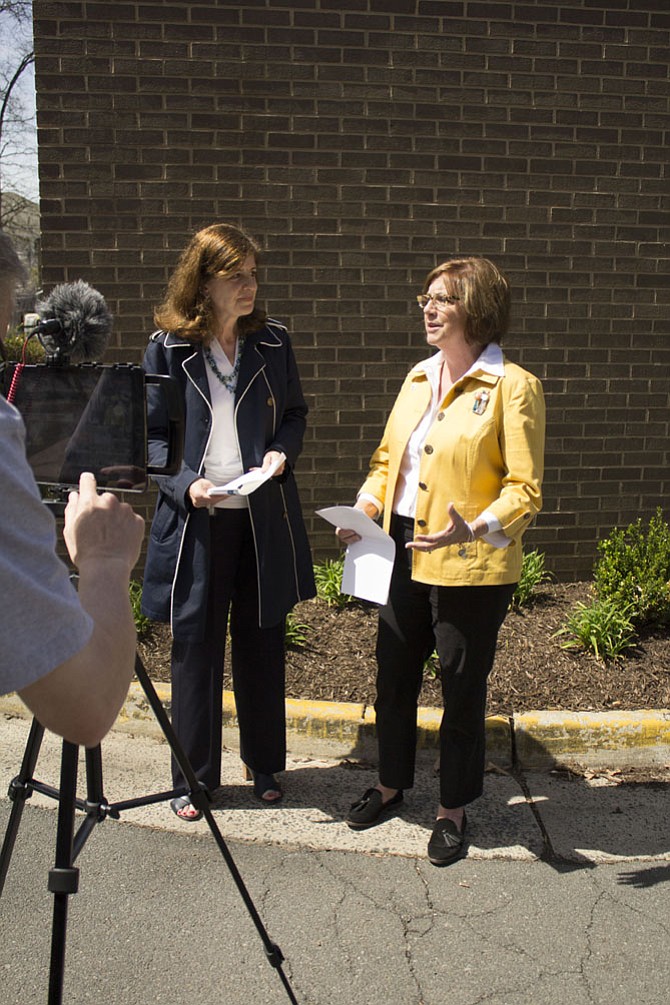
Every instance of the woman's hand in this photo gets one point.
(270, 458)
(459, 531)
(348, 536)
(197, 493)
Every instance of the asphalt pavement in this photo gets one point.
(564, 895)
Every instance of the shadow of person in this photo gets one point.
(599, 818)
(645, 877)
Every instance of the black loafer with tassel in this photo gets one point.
(371, 808)
(447, 842)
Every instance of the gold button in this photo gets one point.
(270, 401)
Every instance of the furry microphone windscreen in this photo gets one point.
(84, 322)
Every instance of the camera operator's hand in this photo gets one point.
(101, 527)
(81, 697)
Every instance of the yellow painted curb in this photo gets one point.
(531, 740)
(592, 739)
(324, 727)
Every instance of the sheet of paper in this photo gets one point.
(247, 483)
(368, 563)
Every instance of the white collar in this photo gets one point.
(490, 360)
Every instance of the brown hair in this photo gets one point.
(217, 250)
(483, 293)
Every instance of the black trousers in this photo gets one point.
(462, 623)
(257, 659)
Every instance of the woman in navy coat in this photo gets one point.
(244, 555)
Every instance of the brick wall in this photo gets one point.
(362, 141)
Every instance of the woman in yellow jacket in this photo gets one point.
(457, 477)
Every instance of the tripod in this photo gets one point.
(64, 877)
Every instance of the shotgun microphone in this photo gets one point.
(75, 323)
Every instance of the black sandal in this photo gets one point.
(180, 803)
(263, 786)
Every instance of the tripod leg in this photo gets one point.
(201, 799)
(63, 878)
(20, 790)
(96, 806)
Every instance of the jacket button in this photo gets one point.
(422, 485)
(421, 523)
(440, 416)
(428, 448)
(270, 402)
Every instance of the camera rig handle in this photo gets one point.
(175, 417)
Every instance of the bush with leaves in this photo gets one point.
(633, 570)
(533, 574)
(328, 578)
(18, 350)
(142, 622)
(605, 627)
(295, 633)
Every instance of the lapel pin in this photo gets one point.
(481, 402)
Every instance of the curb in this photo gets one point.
(535, 740)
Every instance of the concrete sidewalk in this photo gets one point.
(563, 895)
(523, 815)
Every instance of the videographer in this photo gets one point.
(69, 655)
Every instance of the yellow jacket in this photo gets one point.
(479, 458)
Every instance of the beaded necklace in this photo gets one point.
(229, 380)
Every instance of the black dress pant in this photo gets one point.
(257, 659)
(462, 623)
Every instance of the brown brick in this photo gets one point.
(362, 143)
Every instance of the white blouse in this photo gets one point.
(222, 457)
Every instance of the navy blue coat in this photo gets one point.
(270, 413)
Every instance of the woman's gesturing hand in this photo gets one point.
(459, 531)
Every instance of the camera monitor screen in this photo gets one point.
(84, 418)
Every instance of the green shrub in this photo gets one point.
(142, 623)
(328, 577)
(604, 627)
(295, 633)
(533, 574)
(34, 351)
(633, 570)
(431, 668)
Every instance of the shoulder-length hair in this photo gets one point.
(217, 250)
(482, 291)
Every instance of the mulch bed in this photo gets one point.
(532, 671)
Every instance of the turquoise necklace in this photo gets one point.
(229, 380)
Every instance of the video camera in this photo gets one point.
(82, 415)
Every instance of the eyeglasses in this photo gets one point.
(440, 300)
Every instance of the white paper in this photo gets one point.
(245, 484)
(368, 563)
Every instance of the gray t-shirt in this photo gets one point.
(43, 623)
